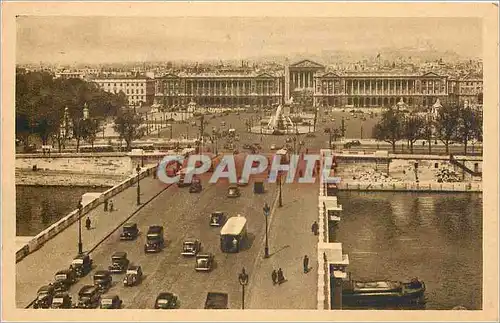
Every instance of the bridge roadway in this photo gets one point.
(184, 215)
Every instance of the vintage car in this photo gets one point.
(195, 188)
(217, 219)
(82, 264)
(274, 147)
(103, 280)
(154, 239)
(61, 300)
(119, 263)
(233, 191)
(166, 301)
(133, 276)
(352, 143)
(191, 247)
(310, 135)
(109, 301)
(130, 231)
(88, 297)
(247, 146)
(64, 279)
(44, 297)
(204, 262)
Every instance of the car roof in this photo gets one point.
(120, 254)
(110, 296)
(134, 267)
(217, 212)
(165, 295)
(155, 228)
(82, 256)
(232, 186)
(87, 288)
(130, 225)
(64, 271)
(45, 288)
(61, 294)
(204, 255)
(102, 272)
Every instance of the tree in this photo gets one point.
(89, 130)
(428, 131)
(413, 128)
(446, 124)
(129, 126)
(389, 128)
(469, 126)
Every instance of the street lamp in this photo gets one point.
(138, 169)
(279, 182)
(80, 245)
(142, 158)
(266, 215)
(243, 279)
(170, 126)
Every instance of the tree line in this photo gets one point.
(52, 108)
(451, 124)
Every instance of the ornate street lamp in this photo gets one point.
(267, 210)
(243, 279)
(138, 169)
(80, 245)
(280, 198)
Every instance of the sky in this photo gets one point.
(123, 39)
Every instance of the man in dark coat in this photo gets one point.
(306, 264)
(281, 277)
(87, 223)
(315, 228)
(274, 276)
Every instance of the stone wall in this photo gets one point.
(117, 165)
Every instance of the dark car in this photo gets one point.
(119, 262)
(64, 279)
(310, 134)
(191, 247)
(217, 219)
(352, 143)
(88, 297)
(204, 262)
(103, 280)
(154, 239)
(82, 264)
(247, 146)
(233, 191)
(195, 187)
(61, 300)
(133, 276)
(109, 301)
(44, 297)
(130, 231)
(166, 301)
(216, 301)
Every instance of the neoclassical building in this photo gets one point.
(309, 83)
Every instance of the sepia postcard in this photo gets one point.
(246, 161)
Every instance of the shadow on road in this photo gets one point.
(280, 249)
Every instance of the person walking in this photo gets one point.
(315, 228)
(306, 264)
(106, 206)
(274, 276)
(87, 223)
(281, 277)
(111, 209)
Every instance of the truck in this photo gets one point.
(216, 301)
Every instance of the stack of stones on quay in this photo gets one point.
(59, 178)
(446, 175)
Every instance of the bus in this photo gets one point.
(233, 235)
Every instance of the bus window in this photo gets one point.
(233, 234)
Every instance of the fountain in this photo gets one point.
(280, 122)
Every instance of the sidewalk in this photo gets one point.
(290, 238)
(39, 267)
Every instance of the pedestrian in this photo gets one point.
(106, 206)
(306, 264)
(281, 277)
(315, 228)
(87, 223)
(274, 276)
(111, 208)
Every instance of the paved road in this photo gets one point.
(186, 215)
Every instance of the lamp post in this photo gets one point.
(280, 199)
(142, 158)
(266, 215)
(243, 279)
(138, 169)
(170, 126)
(80, 245)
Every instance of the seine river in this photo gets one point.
(435, 237)
(37, 207)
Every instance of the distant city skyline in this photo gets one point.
(94, 40)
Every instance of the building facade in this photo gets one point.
(213, 89)
(139, 90)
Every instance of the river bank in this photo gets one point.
(65, 178)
